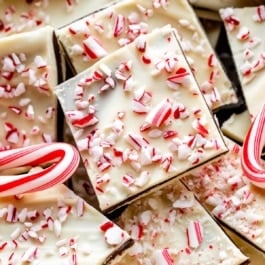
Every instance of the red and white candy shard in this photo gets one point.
(252, 148)
(160, 113)
(162, 257)
(194, 234)
(58, 161)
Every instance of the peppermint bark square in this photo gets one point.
(89, 39)
(170, 227)
(28, 74)
(55, 226)
(139, 118)
(244, 27)
(226, 192)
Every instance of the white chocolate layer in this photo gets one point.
(162, 224)
(28, 74)
(237, 126)
(217, 4)
(226, 193)
(244, 28)
(139, 119)
(121, 23)
(255, 256)
(56, 227)
(20, 16)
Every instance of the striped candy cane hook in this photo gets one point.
(252, 149)
(59, 162)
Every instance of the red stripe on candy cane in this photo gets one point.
(252, 149)
(59, 160)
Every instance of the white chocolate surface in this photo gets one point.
(135, 135)
(28, 75)
(161, 222)
(55, 227)
(20, 16)
(121, 23)
(237, 126)
(247, 46)
(217, 4)
(255, 255)
(226, 193)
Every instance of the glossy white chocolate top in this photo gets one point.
(138, 118)
(225, 191)
(236, 126)
(170, 227)
(28, 74)
(27, 15)
(217, 4)
(245, 28)
(56, 227)
(93, 37)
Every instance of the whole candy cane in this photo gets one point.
(59, 162)
(252, 149)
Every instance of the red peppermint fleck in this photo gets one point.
(243, 33)
(7, 75)
(137, 141)
(232, 20)
(178, 76)
(169, 134)
(167, 162)
(15, 109)
(87, 120)
(127, 180)
(141, 44)
(260, 14)
(107, 225)
(211, 60)
(72, 31)
(93, 48)
(146, 59)
(40, 62)
(235, 149)
(3, 245)
(137, 231)
(200, 127)
(194, 234)
(145, 127)
(128, 83)
(160, 113)
(119, 25)
(139, 107)
(12, 136)
(163, 257)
